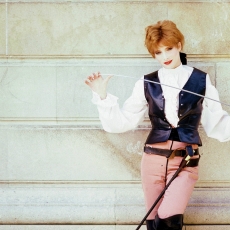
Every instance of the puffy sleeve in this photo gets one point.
(215, 121)
(117, 120)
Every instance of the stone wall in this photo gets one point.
(59, 169)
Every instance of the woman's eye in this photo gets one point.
(169, 48)
(157, 52)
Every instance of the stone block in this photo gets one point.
(69, 154)
(80, 28)
(74, 96)
(27, 92)
(54, 91)
(83, 154)
(108, 25)
(99, 203)
(71, 203)
(223, 83)
(207, 67)
(204, 25)
(208, 206)
(214, 151)
(2, 29)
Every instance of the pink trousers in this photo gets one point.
(155, 172)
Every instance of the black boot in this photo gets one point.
(150, 224)
(171, 223)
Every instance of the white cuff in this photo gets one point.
(109, 101)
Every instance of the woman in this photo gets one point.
(175, 116)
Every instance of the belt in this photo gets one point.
(167, 152)
(178, 152)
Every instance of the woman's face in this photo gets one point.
(168, 57)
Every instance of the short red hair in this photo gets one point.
(164, 32)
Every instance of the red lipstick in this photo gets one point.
(168, 62)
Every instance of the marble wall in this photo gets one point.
(59, 169)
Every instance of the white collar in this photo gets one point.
(177, 70)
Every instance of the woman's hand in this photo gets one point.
(98, 84)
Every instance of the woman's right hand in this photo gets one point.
(98, 84)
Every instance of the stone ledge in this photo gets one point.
(116, 1)
(207, 227)
(70, 227)
(100, 204)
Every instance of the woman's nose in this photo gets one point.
(165, 56)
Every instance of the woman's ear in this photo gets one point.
(179, 46)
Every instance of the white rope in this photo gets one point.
(167, 86)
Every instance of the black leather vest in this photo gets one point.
(189, 112)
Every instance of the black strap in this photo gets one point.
(189, 150)
(168, 152)
(183, 58)
(193, 162)
(157, 151)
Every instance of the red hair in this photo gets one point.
(164, 32)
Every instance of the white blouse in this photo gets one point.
(215, 121)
